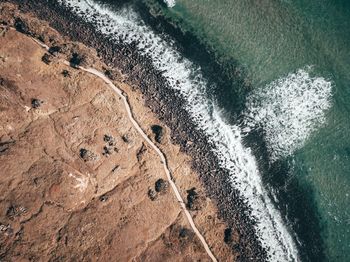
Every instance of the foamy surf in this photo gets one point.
(170, 3)
(289, 110)
(185, 77)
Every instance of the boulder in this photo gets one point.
(36, 103)
(161, 186)
(158, 133)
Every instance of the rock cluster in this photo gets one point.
(158, 132)
(160, 188)
(194, 200)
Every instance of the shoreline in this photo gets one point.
(166, 105)
(306, 235)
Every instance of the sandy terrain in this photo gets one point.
(77, 181)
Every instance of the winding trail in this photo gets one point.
(149, 141)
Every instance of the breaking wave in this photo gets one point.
(288, 110)
(170, 3)
(187, 78)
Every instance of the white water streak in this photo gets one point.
(170, 3)
(185, 77)
(289, 110)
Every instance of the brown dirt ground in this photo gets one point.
(56, 205)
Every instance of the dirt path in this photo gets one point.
(149, 141)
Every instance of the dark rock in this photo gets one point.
(47, 59)
(158, 133)
(15, 211)
(152, 195)
(194, 201)
(110, 75)
(108, 148)
(65, 73)
(4, 146)
(36, 103)
(55, 50)
(83, 152)
(21, 26)
(109, 140)
(103, 198)
(106, 151)
(228, 235)
(115, 168)
(184, 232)
(125, 138)
(77, 60)
(236, 247)
(87, 155)
(140, 153)
(161, 186)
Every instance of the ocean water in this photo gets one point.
(268, 82)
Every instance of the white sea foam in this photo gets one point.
(289, 110)
(185, 77)
(170, 3)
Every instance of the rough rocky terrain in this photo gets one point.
(77, 181)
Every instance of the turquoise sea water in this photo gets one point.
(268, 40)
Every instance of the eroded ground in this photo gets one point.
(77, 182)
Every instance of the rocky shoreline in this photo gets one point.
(163, 101)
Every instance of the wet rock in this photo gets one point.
(161, 186)
(87, 155)
(194, 201)
(158, 133)
(47, 59)
(152, 194)
(228, 235)
(36, 103)
(236, 247)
